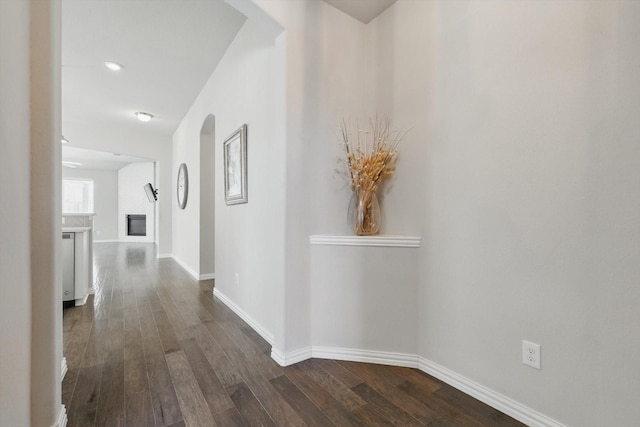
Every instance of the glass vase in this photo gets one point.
(364, 213)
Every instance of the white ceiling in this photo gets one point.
(168, 48)
(92, 159)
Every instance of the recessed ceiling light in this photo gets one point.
(144, 117)
(113, 66)
(64, 140)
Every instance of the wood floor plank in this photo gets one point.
(475, 408)
(139, 412)
(180, 327)
(331, 384)
(164, 401)
(193, 405)
(166, 408)
(444, 409)
(318, 395)
(338, 371)
(427, 382)
(410, 403)
(230, 418)
(110, 409)
(82, 411)
(278, 408)
(77, 345)
(165, 330)
(248, 406)
(305, 408)
(68, 385)
(214, 393)
(115, 337)
(370, 417)
(151, 343)
(96, 345)
(391, 412)
(224, 369)
(342, 417)
(132, 336)
(267, 365)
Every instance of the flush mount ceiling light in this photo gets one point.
(144, 117)
(113, 66)
(64, 140)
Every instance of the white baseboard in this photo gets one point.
(244, 316)
(208, 276)
(366, 356)
(63, 368)
(292, 357)
(91, 290)
(62, 418)
(164, 256)
(492, 398)
(106, 241)
(184, 265)
(350, 354)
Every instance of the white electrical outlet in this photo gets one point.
(237, 279)
(531, 354)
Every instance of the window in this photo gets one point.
(77, 196)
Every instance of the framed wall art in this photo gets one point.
(235, 167)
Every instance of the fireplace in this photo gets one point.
(136, 225)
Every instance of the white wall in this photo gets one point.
(530, 174)
(326, 80)
(132, 199)
(158, 150)
(249, 238)
(30, 279)
(207, 197)
(521, 175)
(105, 203)
(15, 274)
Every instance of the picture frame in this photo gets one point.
(235, 167)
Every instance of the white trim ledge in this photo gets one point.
(244, 316)
(484, 394)
(380, 240)
(207, 276)
(164, 256)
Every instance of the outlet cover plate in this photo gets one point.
(531, 354)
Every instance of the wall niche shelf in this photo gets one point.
(379, 240)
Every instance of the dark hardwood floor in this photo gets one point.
(153, 347)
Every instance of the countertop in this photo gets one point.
(75, 229)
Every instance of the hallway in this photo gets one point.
(153, 347)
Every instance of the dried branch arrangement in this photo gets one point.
(370, 157)
(371, 153)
